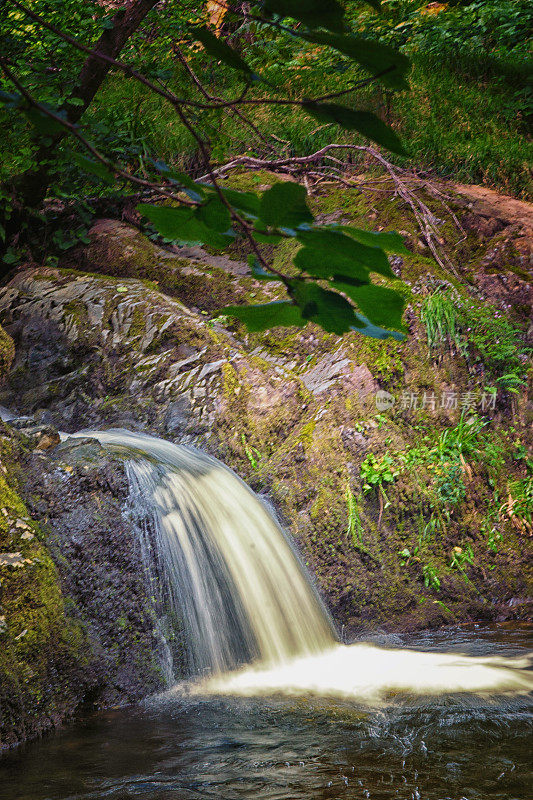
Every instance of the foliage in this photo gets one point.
(483, 334)
(461, 557)
(355, 528)
(332, 282)
(519, 505)
(252, 453)
(378, 471)
(431, 578)
(439, 315)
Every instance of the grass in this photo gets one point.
(483, 334)
(439, 315)
(469, 131)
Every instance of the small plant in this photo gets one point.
(431, 579)
(376, 472)
(460, 557)
(462, 439)
(355, 529)
(483, 334)
(449, 485)
(494, 536)
(439, 315)
(406, 555)
(252, 453)
(519, 505)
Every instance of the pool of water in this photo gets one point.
(283, 748)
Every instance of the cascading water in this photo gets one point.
(232, 576)
(255, 624)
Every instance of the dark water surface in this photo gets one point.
(283, 749)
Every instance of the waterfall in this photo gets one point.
(254, 623)
(232, 577)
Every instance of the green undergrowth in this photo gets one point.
(471, 131)
(483, 334)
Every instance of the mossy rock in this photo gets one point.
(43, 651)
(7, 353)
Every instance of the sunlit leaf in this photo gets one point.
(381, 305)
(328, 309)
(390, 241)
(330, 252)
(181, 224)
(214, 214)
(242, 201)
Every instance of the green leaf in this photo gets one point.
(328, 309)
(194, 190)
(259, 273)
(266, 238)
(390, 241)
(334, 253)
(94, 167)
(313, 262)
(220, 50)
(241, 201)
(268, 315)
(284, 206)
(181, 224)
(364, 122)
(315, 13)
(367, 328)
(382, 306)
(43, 123)
(214, 214)
(373, 56)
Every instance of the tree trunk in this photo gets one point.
(31, 186)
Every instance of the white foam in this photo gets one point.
(368, 674)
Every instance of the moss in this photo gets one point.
(7, 353)
(77, 311)
(42, 651)
(231, 381)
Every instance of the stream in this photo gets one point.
(274, 705)
(180, 746)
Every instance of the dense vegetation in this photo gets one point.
(142, 127)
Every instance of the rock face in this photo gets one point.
(77, 621)
(404, 519)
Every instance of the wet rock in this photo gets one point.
(177, 415)
(41, 437)
(82, 491)
(81, 450)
